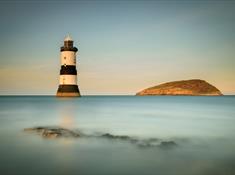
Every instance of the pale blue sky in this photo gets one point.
(124, 46)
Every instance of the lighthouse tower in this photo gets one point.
(68, 73)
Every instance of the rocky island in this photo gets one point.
(194, 87)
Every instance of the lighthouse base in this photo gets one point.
(68, 91)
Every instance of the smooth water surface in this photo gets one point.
(202, 127)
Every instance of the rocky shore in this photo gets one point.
(58, 132)
(53, 132)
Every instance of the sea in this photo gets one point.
(200, 130)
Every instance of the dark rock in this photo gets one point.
(57, 132)
(110, 136)
(53, 132)
(167, 144)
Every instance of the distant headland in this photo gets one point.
(194, 87)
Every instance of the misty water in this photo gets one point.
(203, 129)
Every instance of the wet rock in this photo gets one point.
(57, 132)
(142, 143)
(152, 142)
(110, 136)
(120, 137)
(167, 144)
(53, 132)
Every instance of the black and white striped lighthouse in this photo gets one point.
(68, 73)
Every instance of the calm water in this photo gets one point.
(202, 127)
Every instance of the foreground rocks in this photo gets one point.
(185, 87)
(167, 144)
(143, 143)
(53, 132)
(58, 132)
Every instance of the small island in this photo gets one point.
(194, 87)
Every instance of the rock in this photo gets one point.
(58, 132)
(121, 137)
(142, 143)
(185, 87)
(167, 144)
(53, 132)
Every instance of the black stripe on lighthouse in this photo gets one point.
(68, 70)
(74, 49)
(68, 88)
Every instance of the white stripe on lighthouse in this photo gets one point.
(68, 58)
(68, 79)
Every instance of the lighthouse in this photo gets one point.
(68, 73)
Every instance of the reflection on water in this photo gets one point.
(67, 119)
(202, 127)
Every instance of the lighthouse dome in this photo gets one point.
(68, 38)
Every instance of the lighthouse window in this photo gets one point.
(65, 58)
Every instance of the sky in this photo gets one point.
(123, 46)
